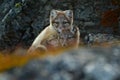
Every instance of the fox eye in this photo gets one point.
(55, 23)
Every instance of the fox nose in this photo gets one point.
(66, 29)
(61, 26)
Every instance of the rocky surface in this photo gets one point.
(83, 64)
(22, 20)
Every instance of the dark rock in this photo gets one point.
(29, 17)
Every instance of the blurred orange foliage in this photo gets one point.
(110, 17)
(115, 2)
(10, 61)
(20, 57)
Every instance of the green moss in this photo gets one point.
(17, 5)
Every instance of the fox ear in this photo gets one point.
(69, 13)
(53, 14)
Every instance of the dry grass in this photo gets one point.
(9, 61)
(106, 44)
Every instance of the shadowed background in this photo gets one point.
(22, 20)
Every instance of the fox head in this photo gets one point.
(61, 21)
